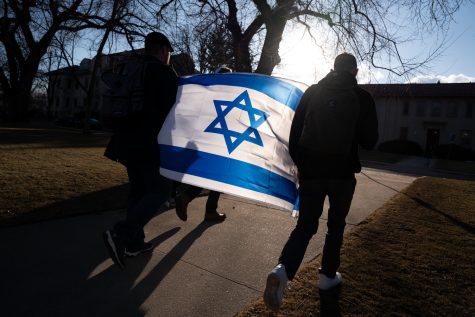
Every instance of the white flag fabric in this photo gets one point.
(230, 133)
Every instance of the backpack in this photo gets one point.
(330, 121)
(125, 89)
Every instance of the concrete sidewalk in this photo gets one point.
(61, 267)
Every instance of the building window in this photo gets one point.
(69, 83)
(67, 103)
(421, 110)
(77, 83)
(75, 103)
(435, 110)
(469, 110)
(405, 108)
(452, 110)
(466, 137)
(403, 133)
(57, 102)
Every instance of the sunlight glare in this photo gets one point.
(302, 58)
(307, 60)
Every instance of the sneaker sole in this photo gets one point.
(220, 219)
(110, 245)
(330, 289)
(134, 254)
(271, 298)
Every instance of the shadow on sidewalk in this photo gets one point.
(137, 295)
(61, 268)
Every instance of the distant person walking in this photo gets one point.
(189, 192)
(135, 145)
(332, 119)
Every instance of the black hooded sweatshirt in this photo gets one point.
(314, 166)
(134, 143)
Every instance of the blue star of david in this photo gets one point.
(232, 138)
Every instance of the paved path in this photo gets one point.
(60, 267)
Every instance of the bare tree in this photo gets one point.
(51, 62)
(28, 28)
(369, 29)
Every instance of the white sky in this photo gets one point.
(304, 61)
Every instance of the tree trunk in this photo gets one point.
(18, 102)
(270, 50)
(18, 96)
(96, 65)
(243, 57)
(91, 90)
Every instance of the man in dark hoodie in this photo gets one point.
(326, 168)
(134, 144)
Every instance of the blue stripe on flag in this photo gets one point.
(275, 88)
(239, 173)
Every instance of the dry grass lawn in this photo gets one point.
(48, 172)
(415, 256)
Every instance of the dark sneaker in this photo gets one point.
(215, 216)
(181, 204)
(134, 251)
(275, 286)
(115, 248)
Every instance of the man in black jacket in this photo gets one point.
(322, 175)
(135, 145)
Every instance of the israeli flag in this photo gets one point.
(230, 133)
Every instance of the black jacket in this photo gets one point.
(135, 141)
(312, 166)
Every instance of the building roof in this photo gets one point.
(421, 90)
(68, 70)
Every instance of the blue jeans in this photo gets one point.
(148, 192)
(312, 197)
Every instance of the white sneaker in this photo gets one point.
(328, 282)
(276, 283)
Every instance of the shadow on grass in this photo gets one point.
(463, 225)
(52, 137)
(113, 198)
(330, 302)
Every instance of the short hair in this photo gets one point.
(156, 39)
(345, 62)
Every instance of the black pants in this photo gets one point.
(312, 197)
(211, 204)
(148, 192)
